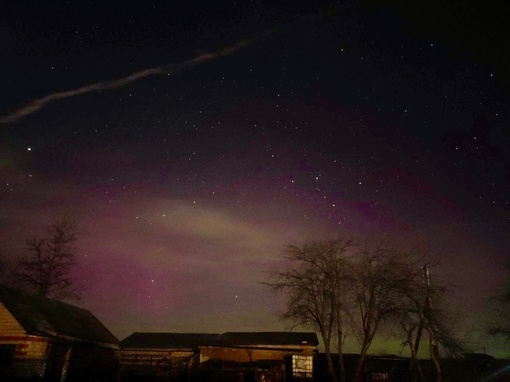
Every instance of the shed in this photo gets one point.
(161, 354)
(267, 356)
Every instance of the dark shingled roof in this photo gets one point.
(167, 340)
(194, 340)
(51, 318)
(269, 338)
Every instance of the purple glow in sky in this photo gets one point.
(186, 187)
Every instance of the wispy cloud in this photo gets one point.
(170, 69)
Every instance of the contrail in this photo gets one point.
(165, 69)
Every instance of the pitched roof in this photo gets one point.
(167, 340)
(269, 338)
(194, 340)
(48, 317)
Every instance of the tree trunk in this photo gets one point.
(359, 368)
(415, 367)
(434, 355)
(341, 365)
(329, 360)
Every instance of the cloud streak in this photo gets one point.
(170, 69)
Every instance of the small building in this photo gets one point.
(45, 338)
(161, 355)
(264, 356)
(256, 356)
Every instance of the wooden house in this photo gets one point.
(45, 338)
(258, 356)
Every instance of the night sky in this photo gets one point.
(193, 142)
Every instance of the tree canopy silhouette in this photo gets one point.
(46, 269)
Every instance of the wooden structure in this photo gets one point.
(258, 356)
(45, 338)
(164, 355)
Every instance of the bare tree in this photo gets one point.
(424, 308)
(333, 286)
(499, 307)
(315, 282)
(46, 269)
(380, 275)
